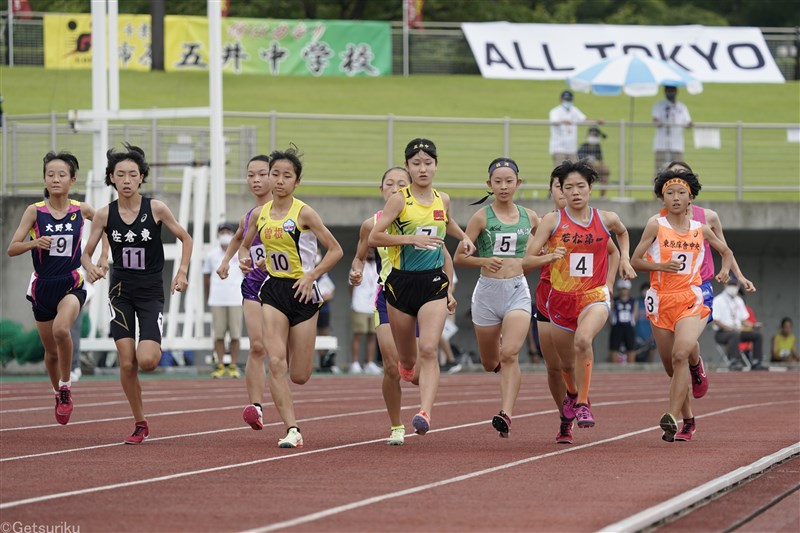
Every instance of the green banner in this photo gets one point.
(282, 47)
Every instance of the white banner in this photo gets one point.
(556, 51)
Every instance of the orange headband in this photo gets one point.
(676, 181)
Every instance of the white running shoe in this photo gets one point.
(293, 439)
(75, 375)
(355, 368)
(372, 369)
(398, 436)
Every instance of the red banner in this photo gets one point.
(414, 9)
(21, 8)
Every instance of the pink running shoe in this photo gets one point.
(584, 416)
(252, 415)
(568, 406)
(421, 423)
(64, 405)
(699, 379)
(406, 375)
(565, 432)
(686, 432)
(140, 433)
(502, 423)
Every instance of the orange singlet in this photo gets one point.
(676, 295)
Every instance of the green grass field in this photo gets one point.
(357, 150)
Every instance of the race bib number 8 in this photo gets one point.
(61, 245)
(505, 244)
(257, 253)
(581, 265)
(685, 259)
(133, 258)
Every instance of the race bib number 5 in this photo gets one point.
(505, 244)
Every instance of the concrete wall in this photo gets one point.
(764, 237)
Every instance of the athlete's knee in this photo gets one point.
(390, 372)
(148, 364)
(257, 350)
(277, 366)
(61, 333)
(490, 366)
(428, 350)
(583, 343)
(300, 378)
(128, 367)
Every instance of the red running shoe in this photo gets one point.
(686, 432)
(64, 405)
(502, 423)
(252, 415)
(699, 379)
(565, 432)
(406, 375)
(140, 433)
(568, 406)
(421, 423)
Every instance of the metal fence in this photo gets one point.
(439, 48)
(346, 154)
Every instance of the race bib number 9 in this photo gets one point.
(133, 258)
(581, 265)
(61, 245)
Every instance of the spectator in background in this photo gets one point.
(645, 341)
(327, 359)
(564, 120)
(784, 347)
(623, 319)
(224, 302)
(593, 153)
(731, 321)
(362, 303)
(670, 117)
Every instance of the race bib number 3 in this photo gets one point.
(505, 244)
(581, 265)
(61, 245)
(685, 259)
(133, 258)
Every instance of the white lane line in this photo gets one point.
(312, 517)
(658, 512)
(354, 505)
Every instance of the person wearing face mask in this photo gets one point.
(564, 120)
(732, 325)
(670, 117)
(225, 302)
(593, 153)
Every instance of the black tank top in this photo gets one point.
(136, 248)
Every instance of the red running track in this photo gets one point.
(204, 470)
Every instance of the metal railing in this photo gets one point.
(346, 154)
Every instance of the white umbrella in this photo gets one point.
(634, 75)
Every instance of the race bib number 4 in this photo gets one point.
(581, 265)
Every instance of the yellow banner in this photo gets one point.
(68, 41)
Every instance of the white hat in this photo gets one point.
(623, 284)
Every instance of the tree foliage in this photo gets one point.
(763, 13)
